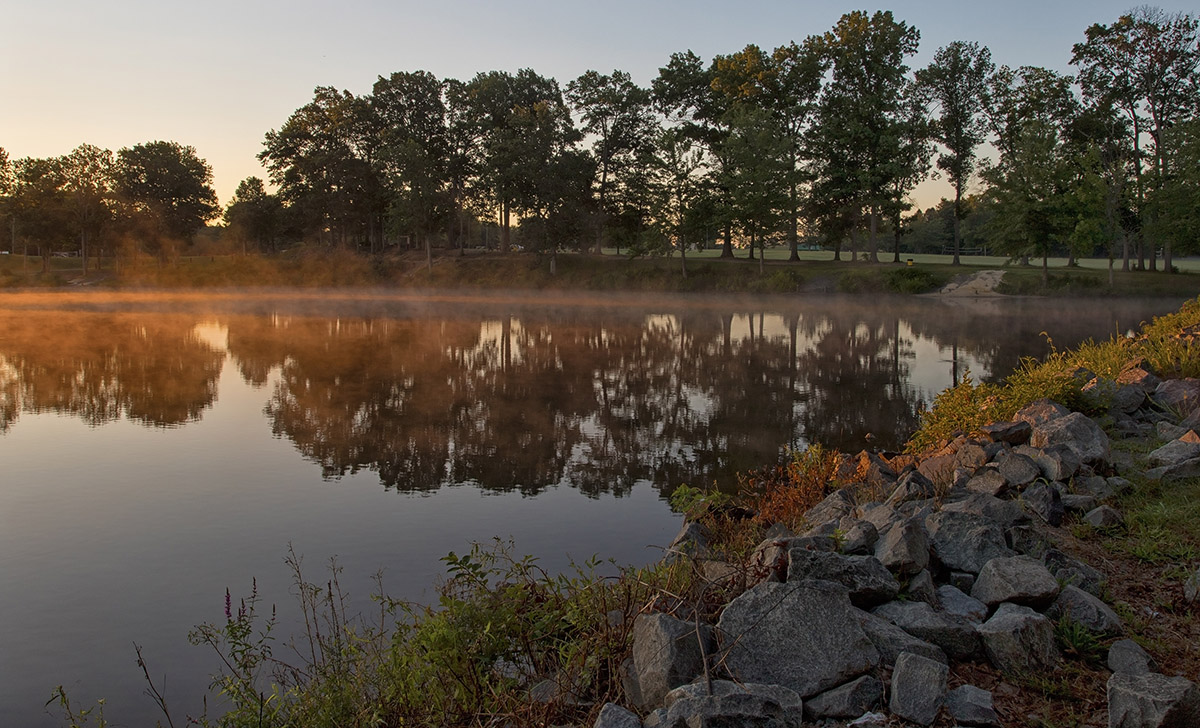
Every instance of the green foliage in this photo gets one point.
(914, 280)
(1078, 641)
(694, 503)
(75, 716)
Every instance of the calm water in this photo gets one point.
(156, 451)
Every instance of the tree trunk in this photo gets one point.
(1045, 270)
(428, 253)
(873, 244)
(504, 227)
(957, 222)
(683, 257)
(727, 251)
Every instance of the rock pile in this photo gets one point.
(861, 615)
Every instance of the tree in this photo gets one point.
(40, 205)
(756, 173)
(616, 112)
(88, 179)
(168, 188)
(957, 83)
(8, 182)
(675, 188)
(255, 215)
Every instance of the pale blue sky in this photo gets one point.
(218, 75)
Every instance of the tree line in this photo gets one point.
(817, 143)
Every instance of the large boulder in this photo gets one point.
(891, 641)
(1018, 640)
(1012, 433)
(1018, 470)
(957, 603)
(956, 636)
(965, 541)
(913, 486)
(1174, 452)
(1069, 570)
(972, 706)
(1078, 433)
(803, 636)
(1017, 579)
(1045, 502)
(1056, 463)
(1006, 513)
(666, 654)
(904, 548)
(1151, 700)
(1085, 610)
(731, 704)
(1179, 395)
(918, 688)
(867, 579)
(1128, 656)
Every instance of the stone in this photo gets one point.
(1013, 433)
(666, 654)
(752, 704)
(939, 470)
(870, 720)
(803, 636)
(1078, 433)
(1005, 513)
(869, 582)
(913, 485)
(1127, 399)
(962, 581)
(971, 456)
(921, 588)
(1045, 502)
(1166, 430)
(1119, 485)
(1173, 453)
(891, 640)
(904, 548)
(988, 481)
(1018, 470)
(956, 603)
(956, 637)
(972, 706)
(1128, 657)
(1026, 540)
(1075, 503)
(1094, 486)
(1056, 463)
(1104, 517)
(1138, 375)
(851, 700)
(1152, 701)
(1017, 579)
(1019, 640)
(874, 470)
(690, 542)
(1172, 473)
(918, 688)
(1041, 412)
(1085, 610)
(835, 505)
(964, 541)
(858, 537)
(1178, 395)
(614, 716)
(1069, 570)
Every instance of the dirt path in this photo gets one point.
(982, 283)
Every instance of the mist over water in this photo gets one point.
(158, 449)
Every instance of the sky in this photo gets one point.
(218, 75)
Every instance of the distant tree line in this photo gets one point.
(817, 143)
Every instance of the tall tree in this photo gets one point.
(167, 187)
(40, 205)
(957, 83)
(676, 187)
(616, 114)
(88, 181)
(757, 172)
(255, 215)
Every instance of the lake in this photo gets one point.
(157, 450)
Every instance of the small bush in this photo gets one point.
(914, 280)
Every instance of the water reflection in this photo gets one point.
(507, 395)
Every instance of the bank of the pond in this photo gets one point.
(574, 272)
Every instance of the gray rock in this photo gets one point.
(891, 641)
(1173, 473)
(846, 701)
(988, 481)
(956, 636)
(1075, 503)
(867, 579)
(1056, 463)
(956, 603)
(1069, 570)
(1167, 430)
(971, 456)
(666, 654)
(1104, 517)
(1179, 395)
(1019, 640)
(962, 581)
(1040, 412)
(614, 716)
(964, 541)
(912, 486)
(1127, 398)
(858, 536)
(1119, 485)
(921, 587)
(939, 470)
(732, 704)
(1018, 470)
(1174, 452)
(803, 636)
(835, 505)
(690, 542)
(972, 706)
(1128, 657)
(1093, 486)
(1138, 373)
(1152, 701)
(1086, 610)
(1078, 433)
(1045, 502)
(1013, 433)
(1017, 579)
(904, 548)
(918, 688)
(1004, 512)
(1027, 540)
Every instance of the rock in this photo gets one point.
(962, 581)
(1056, 463)
(870, 720)
(1191, 587)
(1178, 395)
(1139, 376)
(614, 716)
(874, 470)
(988, 481)
(1152, 701)
(904, 548)
(891, 641)
(835, 505)
(1026, 540)
(1003, 512)
(1172, 473)
(971, 456)
(1013, 433)
(913, 485)
(1017, 579)
(1045, 502)
(958, 604)
(802, 636)
(939, 469)
(1073, 503)
(956, 637)
(1190, 436)
(730, 704)
(666, 654)
(918, 688)
(1018, 470)
(921, 588)
(719, 572)
(1069, 570)
(869, 582)
(965, 542)
(1086, 610)
(1019, 640)
(1128, 657)
(858, 537)
(1119, 485)
(972, 706)
(1078, 433)
(1041, 412)
(1104, 517)
(846, 701)
(1174, 452)
(690, 542)
(1127, 399)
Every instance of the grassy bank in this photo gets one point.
(815, 272)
